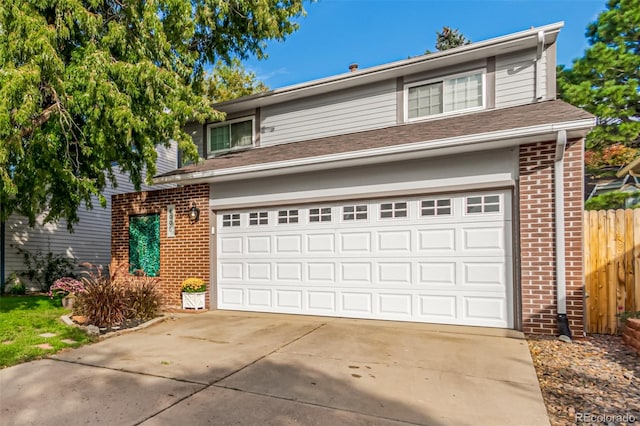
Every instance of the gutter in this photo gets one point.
(561, 284)
(366, 156)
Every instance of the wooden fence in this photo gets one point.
(612, 266)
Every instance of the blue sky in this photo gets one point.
(336, 33)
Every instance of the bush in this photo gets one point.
(144, 298)
(44, 269)
(110, 299)
(104, 300)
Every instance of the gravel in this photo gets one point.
(597, 375)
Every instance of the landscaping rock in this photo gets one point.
(598, 376)
(92, 330)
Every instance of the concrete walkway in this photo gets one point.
(245, 368)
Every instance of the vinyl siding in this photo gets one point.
(516, 78)
(91, 239)
(358, 109)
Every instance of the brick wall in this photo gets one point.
(631, 334)
(537, 236)
(183, 256)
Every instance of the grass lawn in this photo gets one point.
(23, 319)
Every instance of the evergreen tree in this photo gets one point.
(605, 80)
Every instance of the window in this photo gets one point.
(483, 204)
(440, 207)
(448, 95)
(144, 244)
(320, 215)
(231, 135)
(259, 218)
(288, 216)
(354, 212)
(388, 210)
(229, 220)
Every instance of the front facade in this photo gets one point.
(445, 188)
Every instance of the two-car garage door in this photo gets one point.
(435, 258)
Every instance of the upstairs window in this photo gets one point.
(234, 134)
(448, 95)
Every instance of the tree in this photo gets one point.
(231, 81)
(605, 81)
(87, 83)
(449, 38)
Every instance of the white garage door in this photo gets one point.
(442, 259)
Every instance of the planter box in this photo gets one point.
(193, 300)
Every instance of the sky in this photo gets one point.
(336, 33)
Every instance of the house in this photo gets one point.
(90, 240)
(445, 188)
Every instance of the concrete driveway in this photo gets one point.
(248, 368)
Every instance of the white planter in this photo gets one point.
(193, 300)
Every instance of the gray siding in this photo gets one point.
(363, 108)
(516, 78)
(91, 239)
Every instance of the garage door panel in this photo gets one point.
(355, 242)
(394, 273)
(356, 302)
(322, 301)
(394, 242)
(434, 262)
(355, 273)
(437, 274)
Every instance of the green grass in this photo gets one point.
(23, 319)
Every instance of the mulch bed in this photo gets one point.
(597, 375)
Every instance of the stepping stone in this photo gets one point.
(7, 342)
(47, 335)
(68, 341)
(44, 346)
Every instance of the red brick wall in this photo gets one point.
(537, 236)
(631, 334)
(183, 256)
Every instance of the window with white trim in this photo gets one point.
(287, 216)
(483, 204)
(320, 214)
(230, 135)
(232, 219)
(259, 218)
(447, 95)
(359, 212)
(437, 207)
(388, 210)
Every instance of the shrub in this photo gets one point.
(104, 301)
(144, 298)
(109, 299)
(65, 286)
(44, 269)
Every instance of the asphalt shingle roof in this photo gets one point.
(540, 113)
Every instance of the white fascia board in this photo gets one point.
(467, 143)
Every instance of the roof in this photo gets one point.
(519, 120)
(418, 64)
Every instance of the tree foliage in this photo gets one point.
(86, 83)
(449, 38)
(231, 81)
(605, 81)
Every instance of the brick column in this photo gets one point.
(537, 236)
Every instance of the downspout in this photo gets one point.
(561, 284)
(538, 66)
